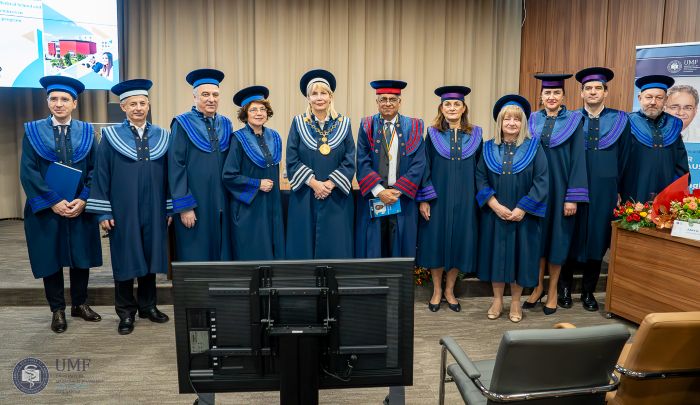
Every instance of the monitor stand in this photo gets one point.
(299, 379)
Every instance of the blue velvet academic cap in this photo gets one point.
(553, 80)
(205, 76)
(594, 74)
(511, 99)
(388, 86)
(452, 92)
(252, 93)
(654, 82)
(316, 75)
(62, 83)
(134, 87)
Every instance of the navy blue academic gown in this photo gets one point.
(654, 158)
(257, 228)
(605, 140)
(195, 161)
(130, 186)
(449, 238)
(320, 229)
(510, 251)
(562, 140)
(54, 242)
(409, 132)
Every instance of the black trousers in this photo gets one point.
(54, 288)
(590, 271)
(389, 228)
(125, 303)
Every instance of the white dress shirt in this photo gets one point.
(393, 151)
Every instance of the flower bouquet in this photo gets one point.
(673, 201)
(686, 209)
(421, 276)
(633, 215)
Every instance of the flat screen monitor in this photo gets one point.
(228, 316)
(71, 38)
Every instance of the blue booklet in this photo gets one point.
(63, 179)
(378, 209)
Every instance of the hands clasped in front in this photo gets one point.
(69, 209)
(515, 215)
(266, 185)
(322, 189)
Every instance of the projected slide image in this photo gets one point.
(59, 37)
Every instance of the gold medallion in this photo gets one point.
(389, 154)
(324, 139)
(324, 149)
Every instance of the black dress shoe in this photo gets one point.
(84, 311)
(58, 321)
(455, 307)
(434, 307)
(154, 315)
(564, 298)
(126, 325)
(589, 302)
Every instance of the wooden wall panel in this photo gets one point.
(566, 36)
(630, 23)
(681, 21)
(532, 51)
(581, 23)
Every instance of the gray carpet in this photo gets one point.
(141, 368)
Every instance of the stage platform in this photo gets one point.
(19, 288)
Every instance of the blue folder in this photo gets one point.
(63, 179)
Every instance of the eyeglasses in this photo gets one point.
(256, 110)
(684, 108)
(384, 100)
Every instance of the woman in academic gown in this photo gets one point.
(320, 168)
(251, 175)
(512, 182)
(560, 132)
(447, 231)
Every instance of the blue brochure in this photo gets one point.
(378, 209)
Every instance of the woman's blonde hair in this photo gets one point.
(321, 86)
(524, 128)
(440, 122)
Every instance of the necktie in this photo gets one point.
(388, 138)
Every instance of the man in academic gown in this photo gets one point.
(390, 165)
(200, 143)
(656, 155)
(129, 195)
(606, 132)
(58, 233)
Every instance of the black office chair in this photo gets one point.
(539, 366)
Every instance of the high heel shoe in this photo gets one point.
(547, 310)
(515, 317)
(493, 314)
(434, 307)
(455, 307)
(530, 305)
